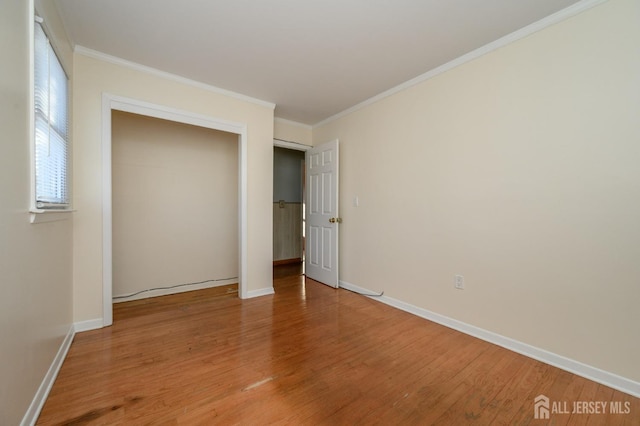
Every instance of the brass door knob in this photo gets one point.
(335, 220)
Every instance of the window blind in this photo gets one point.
(51, 125)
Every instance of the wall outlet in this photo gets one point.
(459, 282)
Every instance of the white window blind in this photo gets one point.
(51, 122)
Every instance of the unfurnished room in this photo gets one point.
(330, 212)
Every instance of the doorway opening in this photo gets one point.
(116, 103)
(288, 208)
(174, 207)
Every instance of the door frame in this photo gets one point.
(281, 143)
(113, 102)
(296, 146)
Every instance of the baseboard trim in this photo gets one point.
(606, 378)
(260, 292)
(31, 416)
(174, 290)
(87, 325)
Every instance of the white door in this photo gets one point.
(322, 221)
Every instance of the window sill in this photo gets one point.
(43, 216)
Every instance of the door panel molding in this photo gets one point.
(322, 223)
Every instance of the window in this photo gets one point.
(51, 126)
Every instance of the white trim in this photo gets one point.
(42, 216)
(260, 292)
(31, 416)
(175, 290)
(292, 123)
(281, 143)
(548, 21)
(88, 325)
(606, 378)
(243, 209)
(107, 242)
(166, 75)
(112, 102)
(32, 113)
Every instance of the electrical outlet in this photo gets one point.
(459, 282)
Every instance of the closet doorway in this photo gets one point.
(112, 103)
(175, 207)
(288, 204)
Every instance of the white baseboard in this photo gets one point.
(87, 325)
(259, 292)
(606, 378)
(31, 416)
(174, 290)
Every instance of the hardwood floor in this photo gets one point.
(307, 355)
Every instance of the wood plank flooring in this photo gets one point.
(307, 355)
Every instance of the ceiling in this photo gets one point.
(313, 59)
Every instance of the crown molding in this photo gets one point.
(81, 50)
(550, 20)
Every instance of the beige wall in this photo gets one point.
(292, 132)
(93, 77)
(175, 204)
(518, 170)
(35, 259)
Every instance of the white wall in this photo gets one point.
(175, 204)
(93, 77)
(518, 170)
(35, 259)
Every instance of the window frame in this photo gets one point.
(36, 207)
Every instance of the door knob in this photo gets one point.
(335, 220)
